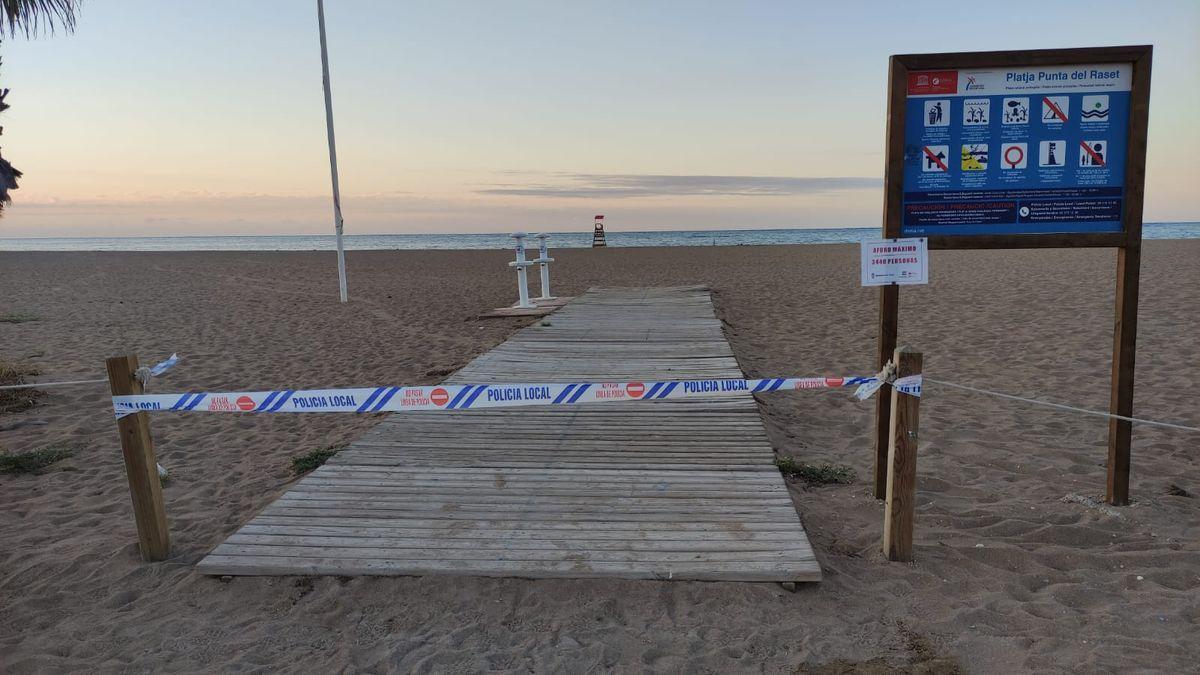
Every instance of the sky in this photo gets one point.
(174, 119)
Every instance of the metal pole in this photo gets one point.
(333, 171)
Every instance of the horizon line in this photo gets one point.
(484, 234)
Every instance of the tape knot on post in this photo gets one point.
(143, 374)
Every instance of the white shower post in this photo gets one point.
(522, 276)
(544, 261)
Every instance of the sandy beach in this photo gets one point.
(1019, 566)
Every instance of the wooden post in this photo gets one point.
(1120, 432)
(1129, 263)
(141, 467)
(889, 311)
(902, 463)
(893, 215)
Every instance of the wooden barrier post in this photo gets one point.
(141, 467)
(902, 463)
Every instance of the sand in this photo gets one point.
(1016, 568)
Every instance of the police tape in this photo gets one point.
(473, 396)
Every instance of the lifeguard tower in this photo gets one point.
(598, 233)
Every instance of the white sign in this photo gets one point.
(984, 82)
(895, 261)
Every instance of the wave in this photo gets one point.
(1096, 113)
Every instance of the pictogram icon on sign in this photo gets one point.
(1092, 153)
(1016, 111)
(935, 158)
(974, 157)
(977, 112)
(439, 397)
(1014, 155)
(245, 403)
(1054, 109)
(1095, 108)
(937, 113)
(635, 389)
(1050, 153)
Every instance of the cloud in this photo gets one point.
(593, 185)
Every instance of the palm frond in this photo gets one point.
(34, 17)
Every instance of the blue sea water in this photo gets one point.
(579, 239)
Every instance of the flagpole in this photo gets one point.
(333, 170)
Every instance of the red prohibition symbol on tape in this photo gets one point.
(635, 389)
(245, 403)
(439, 397)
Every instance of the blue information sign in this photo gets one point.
(1015, 151)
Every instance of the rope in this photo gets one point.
(142, 375)
(43, 385)
(1060, 406)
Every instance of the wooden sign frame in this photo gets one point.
(1128, 242)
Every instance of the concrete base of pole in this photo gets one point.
(542, 309)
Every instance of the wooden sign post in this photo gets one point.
(1021, 149)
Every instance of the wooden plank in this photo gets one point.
(515, 555)
(456, 511)
(662, 489)
(491, 524)
(376, 540)
(701, 571)
(493, 533)
(566, 474)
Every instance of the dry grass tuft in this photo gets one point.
(16, 400)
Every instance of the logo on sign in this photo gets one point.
(834, 381)
(635, 389)
(439, 396)
(245, 403)
(933, 82)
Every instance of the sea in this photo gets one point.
(577, 239)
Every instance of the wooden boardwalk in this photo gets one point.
(649, 490)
